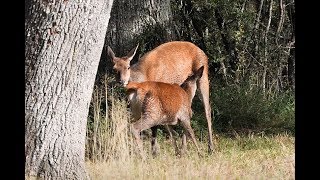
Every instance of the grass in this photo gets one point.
(252, 157)
(111, 151)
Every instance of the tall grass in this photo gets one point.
(110, 149)
(107, 132)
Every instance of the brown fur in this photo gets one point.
(170, 62)
(164, 92)
(163, 104)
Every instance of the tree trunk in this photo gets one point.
(281, 19)
(291, 69)
(256, 30)
(131, 20)
(64, 40)
(265, 61)
(291, 58)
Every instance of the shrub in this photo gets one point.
(247, 109)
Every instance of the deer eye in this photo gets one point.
(128, 67)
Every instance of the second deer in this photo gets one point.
(163, 104)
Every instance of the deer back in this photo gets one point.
(170, 62)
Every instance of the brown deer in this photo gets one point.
(170, 62)
(163, 104)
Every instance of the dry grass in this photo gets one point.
(110, 153)
(107, 135)
(244, 158)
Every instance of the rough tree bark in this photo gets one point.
(291, 58)
(131, 18)
(63, 41)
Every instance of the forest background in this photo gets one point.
(76, 115)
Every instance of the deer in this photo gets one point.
(171, 62)
(162, 103)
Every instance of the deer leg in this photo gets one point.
(136, 133)
(144, 123)
(184, 143)
(173, 139)
(170, 133)
(203, 84)
(154, 145)
(187, 126)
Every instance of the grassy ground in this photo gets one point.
(110, 150)
(249, 157)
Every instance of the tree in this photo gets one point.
(137, 21)
(64, 41)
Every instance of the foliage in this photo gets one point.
(243, 40)
(244, 109)
(152, 36)
(250, 46)
(247, 109)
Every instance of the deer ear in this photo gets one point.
(199, 72)
(111, 53)
(131, 54)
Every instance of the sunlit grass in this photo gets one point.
(242, 158)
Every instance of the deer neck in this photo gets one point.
(190, 92)
(136, 73)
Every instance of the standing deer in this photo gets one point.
(170, 62)
(163, 104)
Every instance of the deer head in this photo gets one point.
(122, 65)
(190, 85)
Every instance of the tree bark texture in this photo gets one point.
(63, 44)
(130, 18)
